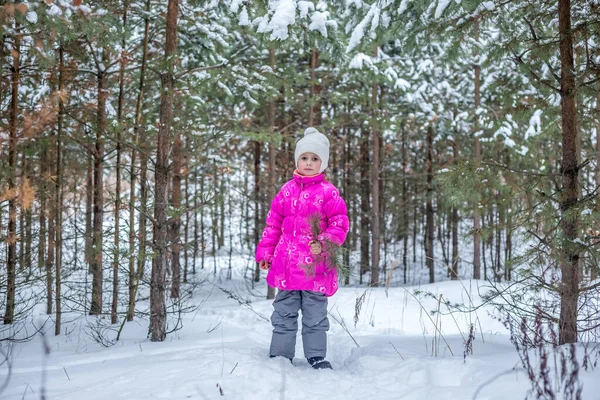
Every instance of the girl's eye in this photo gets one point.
(315, 159)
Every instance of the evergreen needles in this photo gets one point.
(331, 254)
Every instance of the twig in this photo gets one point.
(343, 325)
(492, 379)
(397, 351)
(66, 373)
(234, 367)
(428, 316)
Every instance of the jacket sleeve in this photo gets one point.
(337, 219)
(272, 232)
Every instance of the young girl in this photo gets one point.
(296, 259)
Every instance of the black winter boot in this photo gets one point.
(319, 363)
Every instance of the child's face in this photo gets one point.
(309, 164)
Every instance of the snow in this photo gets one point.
(243, 18)
(442, 4)
(359, 31)
(318, 22)
(535, 124)
(360, 60)
(54, 10)
(31, 17)
(305, 7)
(394, 348)
(284, 16)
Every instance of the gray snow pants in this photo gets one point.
(285, 323)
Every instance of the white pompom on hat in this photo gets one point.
(313, 142)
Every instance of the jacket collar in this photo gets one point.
(305, 180)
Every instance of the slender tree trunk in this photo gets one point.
(196, 236)
(58, 192)
(476, 212)
(272, 164)
(21, 226)
(429, 207)
(375, 171)
(221, 203)
(346, 192)
(97, 256)
(11, 237)
(215, 229)
(314, 110)
(569, 293)
(499, 229)
(50, 257)
(595, 270)
(454, 219)
(186, 227)
(89, 204)
(364, 206)
(405, 225)
(28, 237)
(43, 211)
(257, 222)
(142, 217)
(415, 229)
(117, 215)
(175, 223)
(158, 317)
(202, 230)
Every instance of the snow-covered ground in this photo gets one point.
(393, 351)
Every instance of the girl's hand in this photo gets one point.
(315, 247)
(263, 264)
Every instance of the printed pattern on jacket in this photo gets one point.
(285, 240)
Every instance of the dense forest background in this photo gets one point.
(137, 138)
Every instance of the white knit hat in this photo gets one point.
(313, 142)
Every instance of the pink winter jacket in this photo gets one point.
(285, 240)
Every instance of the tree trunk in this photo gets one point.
(257, 222)
(50, 258)
(569, 260)
(186, 227)
(28, 237)
(196, 236)
(202, 230)
(314, 109)
(346, 192)
(43, 211)
(364, 206)
(375, 171)
(158, 317)
(454, 223)
(476, 212)
(89, 204)
(429, 207)
(405, 215)
(175, 223)
(97, 243)
(143, 217)
(595, 271)
(58, 193)
(272, 165)
(11, 237)
(117, 214)
(133, 282)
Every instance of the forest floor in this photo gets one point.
(390, 349)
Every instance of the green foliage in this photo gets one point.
(332, 255)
